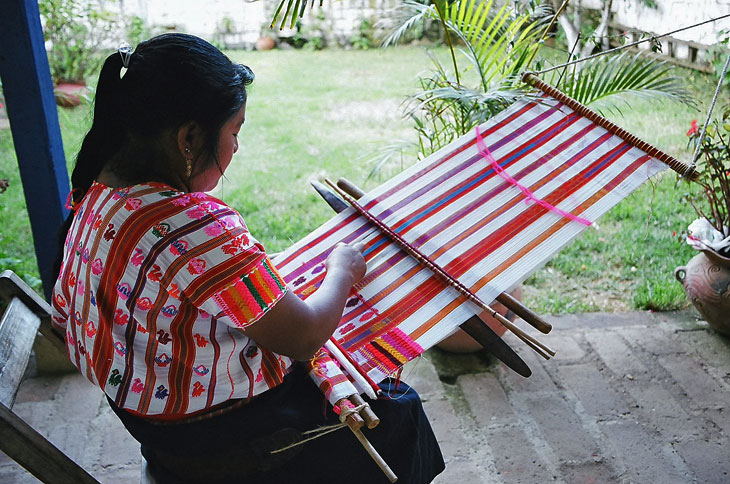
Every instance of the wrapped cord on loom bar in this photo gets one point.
(684, 169)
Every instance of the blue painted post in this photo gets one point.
(31, 108)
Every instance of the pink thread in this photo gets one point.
(343, 404)
(70, 204)
(484, 151)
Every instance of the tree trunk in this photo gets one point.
(571, 28)
(600, 35)
(602, 29)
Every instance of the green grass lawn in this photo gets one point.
(316, 114)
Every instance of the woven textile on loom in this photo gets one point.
(472, 222)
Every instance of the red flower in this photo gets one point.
(693, 129)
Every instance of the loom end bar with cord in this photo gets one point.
(367, 414)
(529, 316)
(686, 170)
(538, 347)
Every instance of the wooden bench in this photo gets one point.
(28, 314)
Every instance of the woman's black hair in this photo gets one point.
(171, 79)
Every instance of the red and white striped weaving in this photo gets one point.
(469, 220)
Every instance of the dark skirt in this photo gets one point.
(235, 446)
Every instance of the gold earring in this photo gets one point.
(188, 163)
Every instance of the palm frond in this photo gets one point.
(607, 82)
(498, 43)
(407, 15)
(294, 11)
(397, 149)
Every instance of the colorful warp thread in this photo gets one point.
(457, 210)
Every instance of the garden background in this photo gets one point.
(316, 112)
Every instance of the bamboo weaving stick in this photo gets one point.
(527, 314)
(374, 454)
(474, 326)
(538, 347)
(355, 423)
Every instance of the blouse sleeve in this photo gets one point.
(250, 295)
(220, 267)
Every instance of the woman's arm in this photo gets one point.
(298, 328)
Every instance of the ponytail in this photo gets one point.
(100, 144)
(106, 135)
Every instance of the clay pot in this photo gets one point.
(706, 281)
(265, 43)
(68, 93)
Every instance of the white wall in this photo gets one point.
(202, 17)
(343, 17)
(670, 15)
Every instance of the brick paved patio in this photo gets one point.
(629, 398)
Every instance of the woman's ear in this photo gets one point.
(190, 139)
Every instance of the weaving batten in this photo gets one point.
(473, 326)
(684, 169)
(504, 298)
(538, 347)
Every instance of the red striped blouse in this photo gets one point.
(154, 290)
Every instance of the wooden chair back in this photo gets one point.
(25, 316)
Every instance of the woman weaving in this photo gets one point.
(173, 309)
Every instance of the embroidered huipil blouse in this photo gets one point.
(155, 288)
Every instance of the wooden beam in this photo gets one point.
(39, 456)
(28, 90)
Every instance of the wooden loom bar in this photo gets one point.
(687, 171)
(355, 423)
(538, 347)
(474, 326)
(528, 315)
(367, 414)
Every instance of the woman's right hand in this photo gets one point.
(298, 328)
(347, 258)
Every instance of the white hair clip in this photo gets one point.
(125, 51)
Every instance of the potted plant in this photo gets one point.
(706, 278)
(266, 40)
(74, 30)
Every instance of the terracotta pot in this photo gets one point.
(706, 281)
(68, 93)
(265, 43)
